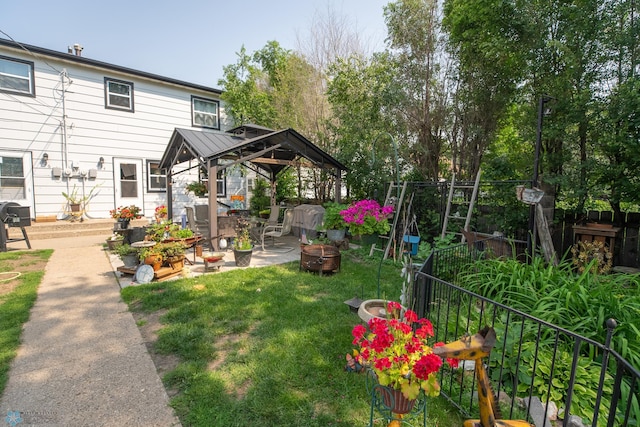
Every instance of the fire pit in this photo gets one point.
(320, 258)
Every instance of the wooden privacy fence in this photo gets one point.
(626, 248)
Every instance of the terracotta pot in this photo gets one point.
(155, 261)
(396, 401)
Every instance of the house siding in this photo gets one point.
(34, 125)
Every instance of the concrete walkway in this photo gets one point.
(82, 361)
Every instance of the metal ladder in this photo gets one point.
(471, 203)
(391, 237)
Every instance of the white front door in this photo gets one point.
(16, 178)
(128, 182)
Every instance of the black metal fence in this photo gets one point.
(533, 362)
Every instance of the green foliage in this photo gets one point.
(198, 188)
(580, 303)
(332, 219)
(555, 368)
(125, 249)
(259, 198)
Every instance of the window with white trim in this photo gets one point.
(16, 76)
(156, 180)
(221, 181)
(205, 113)
(118, 94)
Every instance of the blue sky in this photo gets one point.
(190, 40)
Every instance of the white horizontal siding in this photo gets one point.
(93, 131)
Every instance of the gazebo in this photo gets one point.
(267, 151)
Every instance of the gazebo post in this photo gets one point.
(213, 203)
(338, 190)
(169, 194)
(272, 178)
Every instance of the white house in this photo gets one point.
(69, 123)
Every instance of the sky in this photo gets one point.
(189, 40)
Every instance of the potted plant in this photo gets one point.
(396, 350)
(242, 245)
(128, 254)
(173, 254)
(161, 213)
(333, 222)
(124, 214)
(199, 189)
(152, 256)
(76, 200)
(115, 241)
(367, 218)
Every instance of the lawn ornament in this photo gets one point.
(475, 348)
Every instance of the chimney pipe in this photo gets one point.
(78, 49)
(69, 49)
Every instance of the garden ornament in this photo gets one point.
(475, 348)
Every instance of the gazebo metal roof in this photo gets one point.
(269, 150)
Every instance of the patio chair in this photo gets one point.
(199, 226)
(279, 230)
(274, 215)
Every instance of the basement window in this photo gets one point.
(16, 76)
(118, 94)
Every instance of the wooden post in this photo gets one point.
(545, 237)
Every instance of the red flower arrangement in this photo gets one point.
(126, 212)
(398, 353)
(161, 210)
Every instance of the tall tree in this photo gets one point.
(489, 39)
(420, 112)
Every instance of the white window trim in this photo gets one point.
(150, 176)
(107, 94)
(193, 112)
(30, 78)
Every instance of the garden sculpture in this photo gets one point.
(475, 348)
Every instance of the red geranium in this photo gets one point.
(398, 354)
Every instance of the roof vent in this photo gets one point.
(78, 49)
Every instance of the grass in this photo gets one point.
(265, 347)
(17, 296)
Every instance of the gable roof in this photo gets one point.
(269, 150)
(70, 57)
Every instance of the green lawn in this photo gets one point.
(266, 346)
(20, 275)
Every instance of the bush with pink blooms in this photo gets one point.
(367, 217)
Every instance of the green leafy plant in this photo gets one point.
(125, 249)
(197, 188)
(74, 198)
(332, 219)
(171, 249)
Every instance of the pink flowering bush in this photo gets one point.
(367, 217)
(398, 353)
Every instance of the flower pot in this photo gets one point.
(396, 401)
(243, 257)
(367, 240)
(176, 262)
(154, 261)
(113, 244)
(123, 223)
(130, 260)
(336, 235)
